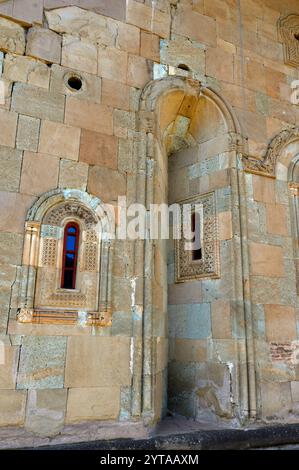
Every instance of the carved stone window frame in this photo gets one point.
(289, 29)
(208, 267)
(43, 245)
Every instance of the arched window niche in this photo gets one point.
(66, 269)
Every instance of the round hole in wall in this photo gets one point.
(74, 83)
(184, 67)
(296, 36)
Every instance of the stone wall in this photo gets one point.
(98, 140)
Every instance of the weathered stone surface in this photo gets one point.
(79, 54)
(280, 323)
(263, 189)
(42, 362)
(28, 11)
(128, 38)
(28, 133)
(10, 164)
(276, 216)
(88, 115)
(11, 245)
(295, 391)
(97, 361)
(112, 64)
(148, 18)
(8, 367)
(98, 149)
(39, 173)
(195, 26)
(115, 94)
(191, 321)
(97, 403)
(8, 125)
(88, 25)
(276, 398)
(183, 51)
(12, 37)
(188, 350)
(221, 320)
(73, 175)
(59, 140)
(150, 46)
(17, 204)
(12, 407)
(44, 44)
(91, 84)
(46, 411)
(26, 70)
(139, 71)
(225, 225)
(106, 183)
(266, 260)
(39, 103)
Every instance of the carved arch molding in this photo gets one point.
(41, 298)
(267, 165)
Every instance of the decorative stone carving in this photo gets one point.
(267, 165)
(41, 298)
(208, 266)
(289, 31)
(25, 315)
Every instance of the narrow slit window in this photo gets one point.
(195, 227)
(70, 256)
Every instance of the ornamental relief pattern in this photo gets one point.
(209, 265)
(70, 209)
(267, 165)
(289, 32)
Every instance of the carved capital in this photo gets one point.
(25, 315)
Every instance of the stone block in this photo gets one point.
(112, 64)
(12, 407)
(98, 149)
(295, 391)
(150, 46)
(11, 245)
(220, 64)
(225, 228)
(148, 18)
(280, 323)
(276, 217)
(97, 361)
(276, 398)
(183, 51)
(139, 71)
(264, 290)
(79, 55)
(42, 362)
(28, 133)
(192, 321)
(46, 411)
(10, 164)
(189, 292)
(8, 125)
(91, 84)
(18, 205)
(59, 140)
(39, 173)
(73, 175)
(8, 367)
(44, 44)
(12, 37)
(88, 115)
(39, 103)
(115, 94)
(28, 11)
(221, 320)
(193, 25)
(26, 70)
(190, 350)
(263, 189)
(266, 260)
(105, 183)
(90, 404)
(86, 25)
(128, 38)
(121, 324)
